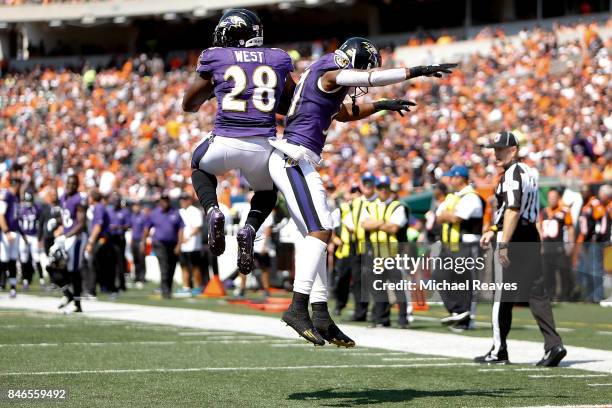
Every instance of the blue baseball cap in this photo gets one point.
(383, 181)
(460, 171)
(368, 178)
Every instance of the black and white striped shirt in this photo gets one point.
(518, 189)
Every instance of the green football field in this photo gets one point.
(106, 363)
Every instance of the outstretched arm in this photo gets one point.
(380, 77)
(347, 113)
(198, 93)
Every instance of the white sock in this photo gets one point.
(307, 266)
(319, 287)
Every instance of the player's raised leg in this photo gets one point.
(254, 167)
(205, 185)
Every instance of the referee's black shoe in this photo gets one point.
(328, 329)
(501, 359)
(455, 318)
(301, 323)
(553, 356)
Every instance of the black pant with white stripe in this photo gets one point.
(525, 270)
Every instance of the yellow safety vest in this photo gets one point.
(383, 244)
(346, 236)
(451, 233)
(359, 233)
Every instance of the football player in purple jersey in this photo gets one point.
(318, 99)
(248, 81)
(9, 230)
(72, 236)
(29, 248)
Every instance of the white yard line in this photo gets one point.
(144, 343)
(566, 406)
(411, 341)
(200, 369)
(387, 353)
(600, 385)
(415, 358)
(516, 369)
(298, 345)
(567, 375)
(559, 329)
(205, 333)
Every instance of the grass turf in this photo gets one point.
(253, 373)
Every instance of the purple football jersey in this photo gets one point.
(138, 222)
(101, 218)
(166, 224)
(9, 206)
(70, 205)
(119, 220)
(248, 85)
(312, 109)
(28, 219)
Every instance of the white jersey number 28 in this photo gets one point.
(265, 81)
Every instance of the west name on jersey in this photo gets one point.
(249, 56)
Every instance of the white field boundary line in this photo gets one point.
(203, 369)
(418, 342)
(600, 385)
(488, 325)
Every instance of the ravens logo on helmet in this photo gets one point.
(238, 28)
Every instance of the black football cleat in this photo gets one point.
(245, 238)
(553, 357)
(216, 231)
(329, 331)
(500, 359)
(301, 323)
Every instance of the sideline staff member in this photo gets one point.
(517, 256)
(462, 226)
(167, 238)
(383, 221)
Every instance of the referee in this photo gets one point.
(517, 258)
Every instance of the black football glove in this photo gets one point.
(395, 105)
(431, 70)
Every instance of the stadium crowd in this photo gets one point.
(122, 129)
